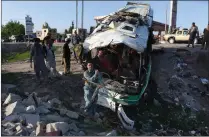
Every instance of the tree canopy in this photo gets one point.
(70, 30)
(45, 26)
(12, 28)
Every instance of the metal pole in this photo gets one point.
(208, 10)
(76, 14)
(82, 14)
(166, 19)
(171, 15)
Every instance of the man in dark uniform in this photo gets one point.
(205, 38)
(193, 31)
(66, 56)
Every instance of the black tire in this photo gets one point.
(171, 40)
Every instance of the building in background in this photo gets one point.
(43, 33)
(28, 25)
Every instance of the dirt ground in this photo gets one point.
(185, 92)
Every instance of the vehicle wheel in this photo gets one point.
(195, 41)
(171, 40)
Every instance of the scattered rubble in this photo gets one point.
(33, 115)
(204, 81)
(30, 109)
(11, 99)
(58, 126)
(73, 127)
(54, 118)
(81, 133)
(7, 88)
(72, 114)
(42, 110)
(15, 107)
(31, 100)
(178, 88)
(112, 133)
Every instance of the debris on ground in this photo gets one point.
(182, 92)
(112, 133)
(204, 81)
(33, 117)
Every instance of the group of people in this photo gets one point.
(77, 51)
(193, 32)
(43, 57)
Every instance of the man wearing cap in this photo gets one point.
(193, 31)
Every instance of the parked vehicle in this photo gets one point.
(180, 36)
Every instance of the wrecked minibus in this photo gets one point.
(125, 37)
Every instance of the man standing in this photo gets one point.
(75, 39)
(193, 31)
(205, 38)
(91, 75)
(66, 56)
(37, 55)
(50, 59)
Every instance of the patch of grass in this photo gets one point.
(16, 56)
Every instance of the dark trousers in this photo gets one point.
(66, 62)
(191, 41)
(204, 44)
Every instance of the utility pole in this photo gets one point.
(173, 14)
(76, 15)
(82, 14)
(166, 19)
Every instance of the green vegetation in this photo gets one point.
(70, 30)
(16, 57)
(12, 28)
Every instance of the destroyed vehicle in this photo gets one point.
(125, 37)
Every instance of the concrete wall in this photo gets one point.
(10, 47)
(14, 47)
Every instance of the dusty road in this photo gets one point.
(177, 88)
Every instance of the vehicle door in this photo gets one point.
(185, 36)
(178, 35)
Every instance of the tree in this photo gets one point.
(45, 26)
(12, 28)
(71, 28)
(66, 31)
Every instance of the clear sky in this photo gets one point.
(60, 14)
